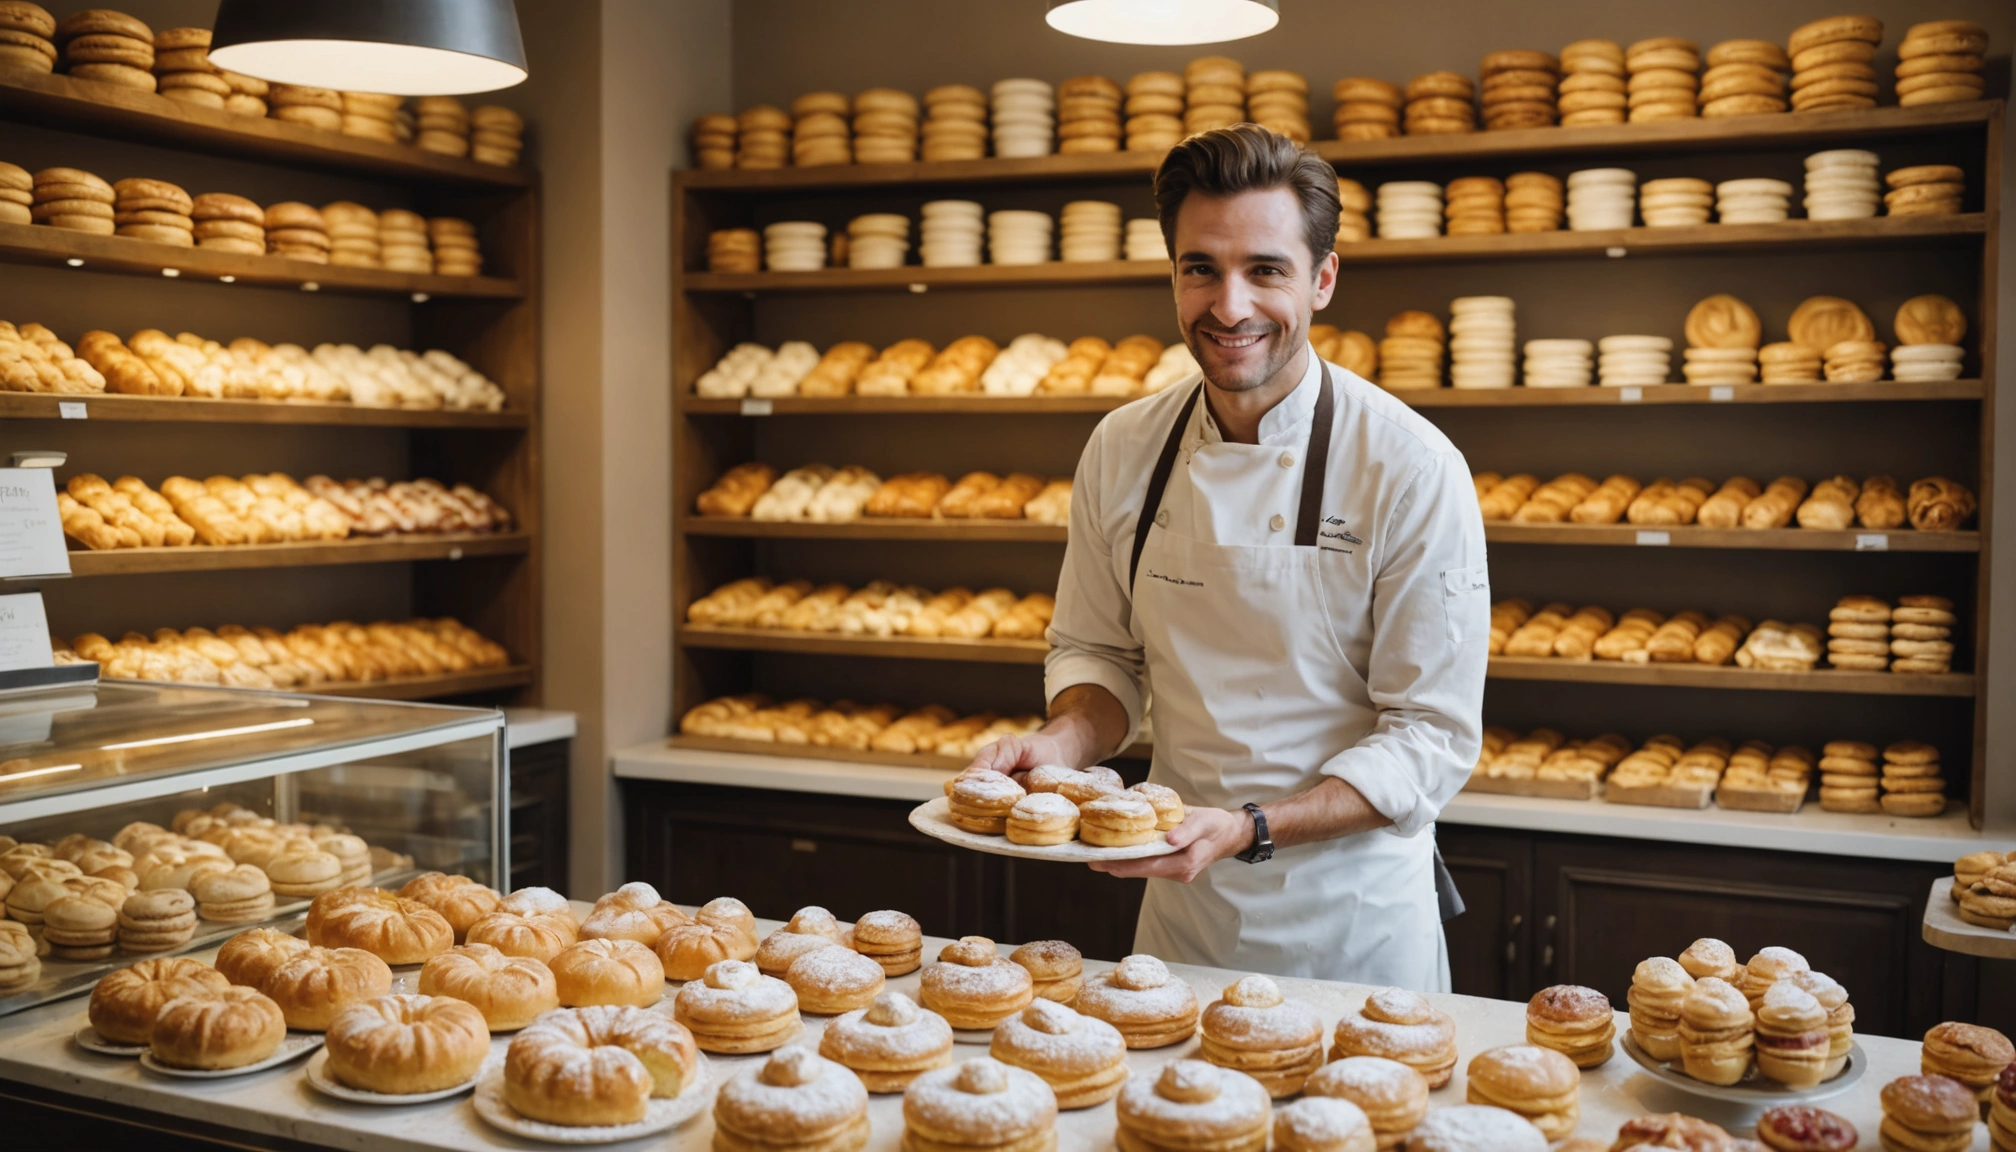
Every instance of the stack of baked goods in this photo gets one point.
(1924, 190)
(760, 137)
(30, 47)
(1630, 360)
(108, 47)
(1842, 184)
(456, 251)
(1664, 79)
(1931, 1111)
(442, 125)
(1438, 103)
(1368, 108)
(1601, 199)
(1984, 887)
(1831, 66)
(1533, 202)
(1088, 115)
(73, 199)
(1056, 805)
(1675, 202)
(1592, 88)
(1278, 100)
(734, 250)
(1716, 1017)
(1723, 333)
(955, 123)
(1215, 93)
(17, 190)
(1518, 88)
(1760, 776)
(322, 108)
(880, 609)
(1744, 78)
(373, 116)
(1024, 119)
(1474, 206)
(1482, 342)
(1349, 349)
(1410, 210)
(885, 127)
(497, 134)
(311, 654)
(1410, 356)
(1912, 783)
(1929, 329)
(1939, 62)
(1756, 200)
(183, 71)
(713, 141)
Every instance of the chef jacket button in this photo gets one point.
(1278, 522)
(1162, 518)
(1287, 459)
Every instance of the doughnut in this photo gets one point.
(1400, 1025)
(733, 1008)
(1056, 967)
(1082, 1058)
(889, 1043)
(973, 986)
(1191, 1107)
(981, 1104)
(1254, 1030)
(1150, 1007)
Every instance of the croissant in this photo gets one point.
(1718, 643)
(1484, 482)
(1007, 500)
(1507, 496)
(913, 495)
(930, 619)
(1052, 505)
(734, 494)
(1881, 505)
(1506, 618)
(977, 618)
(1028, 619)
(1725, 508)
(1831, 505)
(1628, 638)
(1607, 503)
(1577, 638)
(1537, 635)
(963, 499)
(1673, 643)
(890, 374)
(1550, 504)
(903, 734)
(1774, 508)
(835, 373)
(84, 525)
(1073, 374)
(1940, 505)
(1678, 505)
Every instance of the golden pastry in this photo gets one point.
(1082, 1058)
(889, 1043)
(81, 928)
(460, 900)
(1168, 805)
(406, 1045)
(589, 1067)
(1090, 784)
(251, 956)
(1717, 1032)
(1403, 1026)
(892, 939)
(734, 1008)
(1840, 1017)
(392, 928)
(510, 991)
(1322, 1124)
(1710, 957)
(833, 980)
(1254, 1030)
(611, 970)
(1139, 996)
(1056, 968)
(1539, 1084)
(1791, 1036)
(793, 1102)
(733, 915)
(979, 801)
(687, 951)
(982, 1105)
(1192, 1106)
(537, 937)
(1658, 987)
(216, 1030)
(1766, 968)
(1969, 1053)
(539, 902)
(1042, 818)
(973, 986)
(1574, 1021)
(1393, 1096)
(1722, 321)
(782, 947)
(633, 912)
(1928, 1114)
(124, 1003)
(313, 985)
(1117, 820)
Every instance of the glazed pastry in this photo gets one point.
(734, 1008)
(892, 939)
(829, 981)
(795, 1100)
(612, 970)
(1539, 1084)
(1254, 1030)
(406, 1045)
(251, 956)
(314, 984)
(1150, 1007)
(1168, 805)
(1117, 820)
(981, 801)
(392, 928)
(1082, 1058)
(1400, 1025)
(1056, 967)
(1192, 1106)
(889, 1043)
(1766, 968)
(687, 951)
(982, 1104)
(1804, 1128)
(1042, 818)
(973, 986)
(217, 1030)
(1928, 1114)
(1710, 957)
(1658, 987)
(1717, 1032)
(589, 1067)
(1574, 1021)
(124, 1003)
(1973, 1055)
(1791, 1036)
(510, 991)
(633, 912)
(460, 900)
(1322, 1124)
(730, 913)
(1393, 1096)
(1840, 1017)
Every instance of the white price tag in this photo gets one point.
(24, 632)
(1630, 394)
(71, 410)
(756, 407)
(1872, 542)
(1721, 393)
(31, 530)
(1652, 538)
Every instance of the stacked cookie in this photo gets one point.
(1600, 199)
(1788, 362)
(17, 192)
(819, 133)
(353, 235)
(153, 210)
(1278, 100)
(1841, 184)
(1754, 200)
(1090, 231)
(1533, 202)
(1088, 115)
(1924, 190)
(320, 108)
(736, 250)
(1018, 236)
(1519, 88)
(1849, 781)
(1858, 634)
(497, 135)
(1558, 363)
(1912, 782)
(442, 123)
(454, 243)
(1675, 202)
(885, 127)
(794, 246)
(1215, 93)
(1921, 630)
(109, 47)
(1636, 361)
(1663, 84)
(159, 920)
(1853, 361)
(1722, 337)
(713, 141)
(760, 140)
(226, 223)
(27, 37)
(1352, 204)
(950, 234)
(1409, 210)
(1154, 111)
(74, 199)
(1939, 62)
(1367, 108)
(1831, 63)
(1744, 78)
(372, 116)
(878, 240)
(1411, 354)
(1592, 88)
(1024, 117)
(297, 231)
(402, 242)
(1929, 330)
(182, 68)
(1438, 103)
(955, 123)
(1482, 342)
(1474, 206)
(248, 98)
(1144, 240)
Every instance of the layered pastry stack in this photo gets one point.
(108, 47)
(1409, 210)
(1929, 330)
(73, 199)
(1592, 89)
(885, 127)
(322, 108)
(1939, 62)
(1278, 100)
(1145, 240)
(877, 240)
(227, 223)
(1438, 103)
(1088, 115)
(734, 250)
(441, 125)
(1474, 206)
(1353, 202)
(713, 141)
(266, 658)
(1912, 783)
(1836, 333)
(1755, 200)
(297, 232)
(375, 116)
(1533, 202)
(1367, 108)
(1019, 236)
(456, 252)
(1601, 199)
(761, 139)
(1664, 82)
(1633, 360)
(955, 123)
(1842, 184)
(1722, 337)
(794, 246)
(1482, 342)
(1558, 363)
(353, 235)
(1675, 202)
(819, 131)
(950, 234)
(1155, 108)
(1214, 95)
(1411, 354)
(1518, 88)
(402, 242)
(1024, 117)
(1923, 190)
(1831, 66)
(1984, 887)
(182, 69)
(1091, 231)
(153, 210)
(1744, 78)
(497, 135)
(1059, 805)
(29, 46)
(17, 191)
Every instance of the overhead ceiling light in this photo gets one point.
(400, 47)
(1164, 21)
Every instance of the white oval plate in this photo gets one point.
(1755, 1088)
(293, 1047)
(659, 1115)
(934, 819)
(320, 1079)
(88, 1039)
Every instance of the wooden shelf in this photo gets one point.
(129, 114)
(432, 687)
(916, 277)
(361, 550)
(109, 406)
(1745, 679)
(1761, 539)
(57, 247)
(839, 644)
(876, 528)
(969, 404)
(1139, 750)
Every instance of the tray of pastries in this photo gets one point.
(1052, 813)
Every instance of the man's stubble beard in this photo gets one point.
(1281, 342)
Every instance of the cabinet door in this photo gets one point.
(1045, 901)
(538, 824)
(1490, 945)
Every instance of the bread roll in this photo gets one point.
(1725, 508)
(584, 1067)
(1831, 505)
(962, 500)
(510, 991)
(1937, 504)
(737, 491)
(1881, 505)
(125, 1003)
(1775, 506)
(217, 1030)
(406, 1045)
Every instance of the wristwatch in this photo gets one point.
(1263, 846)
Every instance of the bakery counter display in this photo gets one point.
(956, 623)
(932, 736)
(356, 659)
(1031, 365)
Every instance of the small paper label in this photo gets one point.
(1654, 539)
(1872, 542)
(24, 633)
(31, 530)
(1630, 394)
(756, 407)
(71, 410)
(1721, 393)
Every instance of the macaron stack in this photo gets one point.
(108, 47)
(371, 116)
(80, 928)
(1853, 361)
(29, 43)
(1438, 104)
(950, 234)
(1482, 342)
(1518, 89)
(885, 127)
(1088, 115)
(1533, 202)
(73, 199)
(1744, 78)
(1848, 775)
(1474, 206)
(1025, 117)
(819, 133)
(182, 68)
(153, 210)
(1664, 82)
(1841, 184)
(1278, 100)
(248, 98)
(794, 246)
(402, 242)
(227, 223)
(1633, 361)
(322, 108)
(1924, 190)
(497, 135)
(1831, 63)
(1788, 362)
(297, 231)
(1367, 108)
(1215, 95)
(1144, 240)
(455, 249)
(955, 123)
(1912, 782)
(1409, 210)
(353, 235)
(734, 250)
(1154, 111)
(761, 139)
(443, 124)
(1675, 202)
(1558, 363)
(1756, 200)
(713, 141)
(17, 192)
(1600, 199)
(1090, 231)
(1353, 201)
(1592, 88)
(158, 920)
(878, 240)
(1411, 354)
(1018, 236)
(1939, 62)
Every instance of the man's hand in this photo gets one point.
(1017, 754)
(1206, 836)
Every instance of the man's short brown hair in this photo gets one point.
(1249, 158)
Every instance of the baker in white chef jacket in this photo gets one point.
(1294, 560)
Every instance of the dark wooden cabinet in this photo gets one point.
(1491, 943)
(1095, 912)
(539, 814)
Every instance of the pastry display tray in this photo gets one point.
(934, 819)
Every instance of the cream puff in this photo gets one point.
(1717, 1032)
(892, 939)
(1574, 1021)
(1192, 1106)
(889, 1043)
(1042, 818)
(793, 1100)
(1538, 1083)
(979, 801)
(1139, 996)
(633, 912)
(982, 1105)
(1400, 1025)
(1393, 1096)
(1658, 987)
(1710, 957)
(1169, 810)
(611, 970)
(830, 981)
(973, 986)
(1117, 820)
(1082, 1058)
(1057, 968)
(1255, 1030)
(735, 1009)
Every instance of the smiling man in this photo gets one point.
(1294, 560)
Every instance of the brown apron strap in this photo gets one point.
(1158, 482)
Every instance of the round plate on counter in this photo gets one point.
(293, 1047)
(1753, 1090)
(323, 1081)
(934, 819)
(88, 1039)
(659, 1115)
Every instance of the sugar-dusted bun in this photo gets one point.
(539, 902)
(125, 1003)
(728, 912)
(536, 937)
(596, 1066)
(982, 1103)
(393, 928)
(253, 955)
(633, 912)
(312, 986)
(608, 971)
(688, 950)
(460, 900)
(227, 1029)
(510, 991)
(794, 1099)
(404, 1045)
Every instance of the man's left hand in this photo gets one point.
(1206, 836)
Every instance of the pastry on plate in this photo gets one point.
(889, 1043)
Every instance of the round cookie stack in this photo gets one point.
(1409, 210)
(350, 851)
(1788, 362)
(1367, 108)
(371, 116)
(1215, 95)
(1848, 767)
(454, 245)
(496, 136)
(794, 246)
(27, 42)
(240, 896)
(1675, 202)
(443, 124)
(1533, 202)
(157, 921)
(713, 141)
(227, 223)
(74, 199)
(1090, 231)
(182, 68)
(297, 231)
(760, 140)
(1558, 363)
(1482, 342)
(1144, 240)
(1024, 117)
(1841, 184)
(1744, 78)
(323, 108)
(1411, 354)
(1663, 83)
(1352, 203)
(878, 240)
(955, 123)
(1722, 336)
(1633, 361)
(1924, 190)
(1600, 199)
(1154, 111)
(1474, 206)
(1831, 66)
(734, 250)
(1518, 88)
(1017, 236)
(950, 234)
(1940, 62)
(885, 127)
(1853, 361)
(1438, 103)
(1088, 115)
(109, 47)
(1756, 200)
(1592, 88)
(248, 98)
(1929, 330)
(1912, 783)
(17, 192)
(819, 133)
(1858, 634)
(402, 242)
(1920, 630)
(1278, 100)
(153, 210)
(1820, 323)
(80, 927)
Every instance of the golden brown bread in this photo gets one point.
(737, 491)
(1937, 504)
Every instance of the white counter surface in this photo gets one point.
(35, 1048)
(1939, 840)
(524, 727)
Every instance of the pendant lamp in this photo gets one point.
(399, 47)
(1164, 21)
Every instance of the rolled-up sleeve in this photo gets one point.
(1091, 641)
(1431, 609)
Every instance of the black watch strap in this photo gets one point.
(1263, 845)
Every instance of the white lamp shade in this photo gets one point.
(1164, 21)
(400, 47)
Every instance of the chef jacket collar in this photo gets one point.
(1283, 423)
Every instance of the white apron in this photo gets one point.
(1249, 679)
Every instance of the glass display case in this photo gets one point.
(424, 786)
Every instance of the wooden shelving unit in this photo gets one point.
(362, 550)
(1757, 539)
(192, 409)
(481, 682)
(878, 528)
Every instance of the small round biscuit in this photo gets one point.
(1852, 662)
(1749, 105)
(1921, 65)
(1914, 803)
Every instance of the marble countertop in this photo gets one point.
(524, 727)
(35, 1048)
